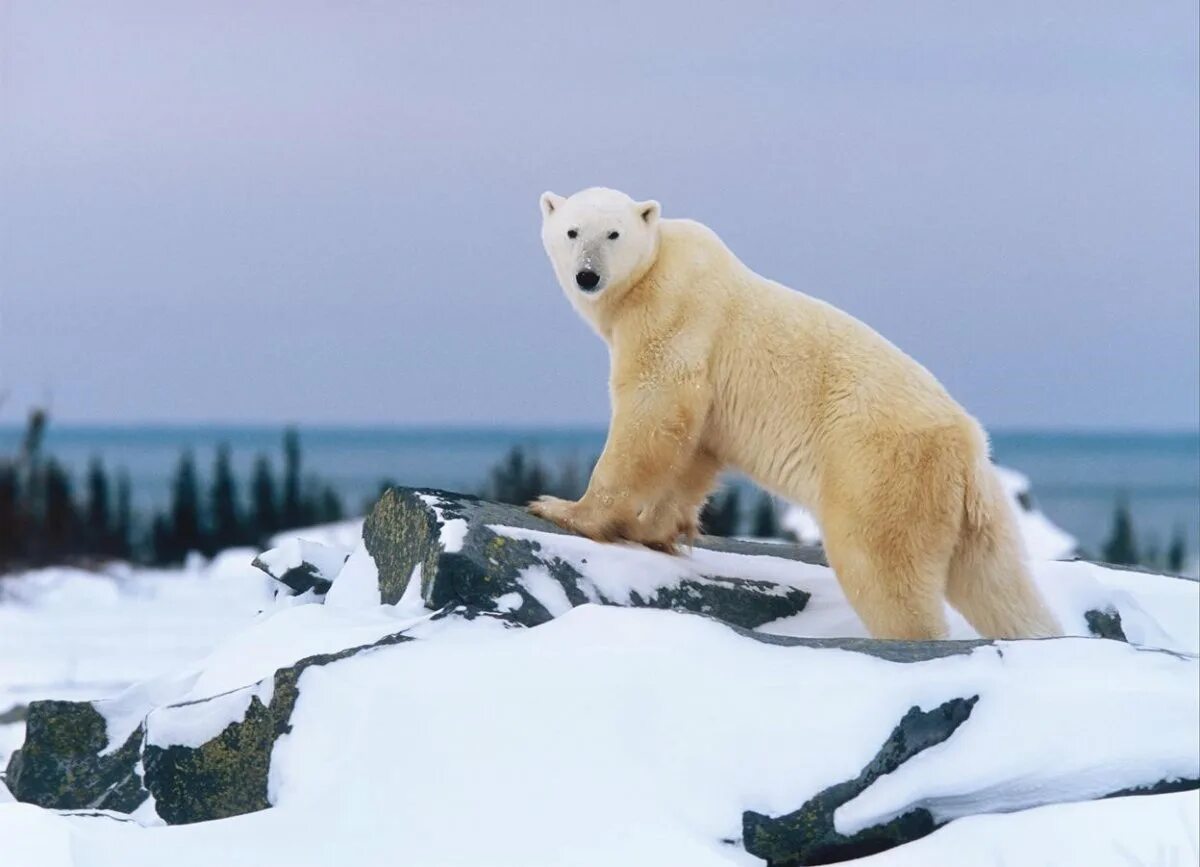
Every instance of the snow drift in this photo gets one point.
(475, 686)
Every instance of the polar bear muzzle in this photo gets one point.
(587, 280)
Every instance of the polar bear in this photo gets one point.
(715, 366)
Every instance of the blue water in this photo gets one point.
(1077, 478)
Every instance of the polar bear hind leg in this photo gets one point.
(891, 512)
(989, 582)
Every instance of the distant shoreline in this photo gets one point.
(15, 428)
(1077, 475)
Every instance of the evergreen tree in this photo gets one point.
(1177, 552)
(722, 514)
(225, 527)
(11, 517)
(264, 502)
(571, 481)
(122, 530)
(98, 520)
(1121, 547)
(517, 479)
(162, 541)
(765, 524)
(31, 477)
(186, 529)
(292, 507)
(329, 507)
(1149, 553)
(60, 518)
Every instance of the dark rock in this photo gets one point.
(298, 580)
(404, 532)
(60, 764)
(1105, 623)
(808, 836)
(892, 651)
(308, 575)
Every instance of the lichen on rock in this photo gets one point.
(64, 763)
(404, 535)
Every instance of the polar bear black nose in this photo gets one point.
(587, 280)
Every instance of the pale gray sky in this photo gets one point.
(327, 212)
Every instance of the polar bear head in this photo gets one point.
(599, 241)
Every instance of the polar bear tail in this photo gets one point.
(989, 581)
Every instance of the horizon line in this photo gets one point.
(484, 427)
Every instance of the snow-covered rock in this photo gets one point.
(69, 633)
(569, 702)
(301, 565)
(1044, 540)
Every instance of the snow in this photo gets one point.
(509, 602)
(341, 534)
(357, 584)
(193, 725)
(935, 778)
(34, 838)
(542, 587)
(1044, 540)
(662, 725)
(1121, 832)
(618, 572)
(1156, 610)
(72, 634)
(295, 551)
(454, 530)
(676, 723)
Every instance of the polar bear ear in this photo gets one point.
(649, 211)
(550, 203)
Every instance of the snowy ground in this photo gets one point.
(71, 634)
(676, 723)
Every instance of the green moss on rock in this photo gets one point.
(227, 775)
(60, 765)
(403, 532)
(400, 533)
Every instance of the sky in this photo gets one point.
(327, 213)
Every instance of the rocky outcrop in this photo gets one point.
(227, 774)
(300, 566)
(481, 565)
(808, 835)
(65, 762)
(464, 551)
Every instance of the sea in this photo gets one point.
(1077, 478)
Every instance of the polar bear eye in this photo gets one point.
(612, 236)
(571, 233)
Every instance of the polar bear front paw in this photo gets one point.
(576, 518)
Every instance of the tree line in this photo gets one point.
(46, 518)
(1123, 549)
